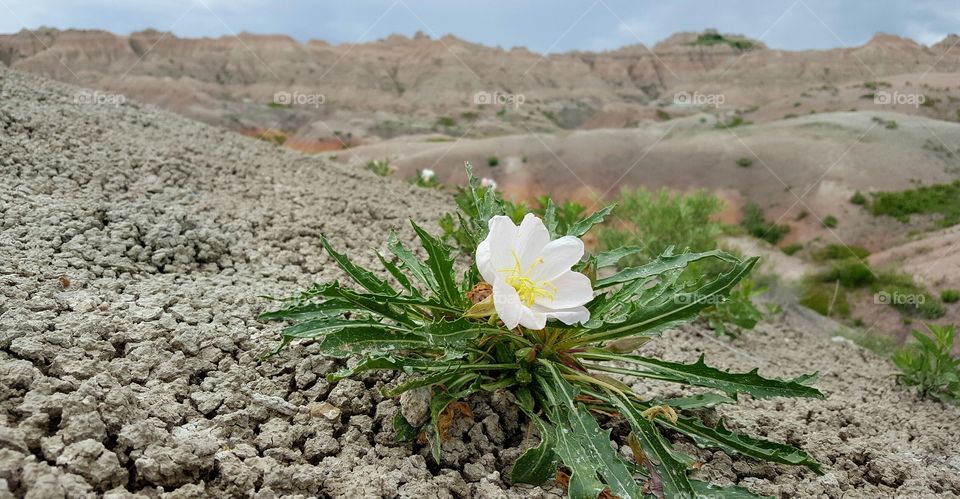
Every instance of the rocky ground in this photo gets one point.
(133, 247)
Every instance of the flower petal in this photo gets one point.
(568, 316)
(533, 319)
(572, 290)
(532, 237)
(558, 256)
(507, 303)
(496, 251)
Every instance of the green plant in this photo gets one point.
(792, 248)
(942, 199)
(493, 161)
(928, 364)
(380, 167)
(736, 313)
(446, 122)
(711, 37)
(858, 198)
(657, 220)
(426, 178)
(950, 295)
(452, 338)
(840, 252)
(734, 122)
(827, 299)
(662, 115)
(830, 221)
(757, 225)
(744, 161)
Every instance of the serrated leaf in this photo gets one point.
(612, 257)
(327, 308)
(736, 443)
(402, 429)
(347, 342)
(662, 264)
(438, 403)
(412, 264)
(678, 309)
(706, 490)
(440, 264)
(581, 227)
(698, 401)
(388, 362)
(399, 275)
(700, 374)
(550, 218)
(362, 276)
(582, 445)
(673, 473)
(537, 464)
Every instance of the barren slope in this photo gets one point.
(133, 246)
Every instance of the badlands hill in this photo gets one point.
(133, 247)
(401, 86)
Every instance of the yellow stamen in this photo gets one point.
(528, 289)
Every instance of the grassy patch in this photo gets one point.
(711, 37)
(941, 199)
(858, 198)
(759, 227)
(950, 295)
(830, 221)
(744, 161)
(493, 161)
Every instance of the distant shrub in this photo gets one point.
(830, 221)
(875, 85)
(950, 295)
(929, 365)
(858, 198)
(829, 300)
(380, 167)
(840, 252)
(744, 161)
(469, 115)
(734, 122)
(658, 220)
(759, 227)
(711, 37)
(662, 115)
(446, 122)
(850, 274)
(791, 249)
(493, 161)
(943, 199)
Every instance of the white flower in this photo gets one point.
(488, 182)
(531, 275)
(427, 174)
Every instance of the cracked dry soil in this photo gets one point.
(133, 247)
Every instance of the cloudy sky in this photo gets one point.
(541, 25)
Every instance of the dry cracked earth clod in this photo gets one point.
(133, 247)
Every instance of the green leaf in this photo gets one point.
(736, 443)
(580, 228)
(704, 489)
(550, 218)
(351, 341)
(402, 429)
(582, 445)
(672, 472)
(699, 401)
(676, 309)
(398, 275)
(441, 265)
(700, 374)
(362, 276)
(438, 403)
(537, 464)
(388, 362)
(662, 264)
(328, 308)
(612, 257)
(412, 264)
(428, 380)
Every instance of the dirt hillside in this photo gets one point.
(133, 246)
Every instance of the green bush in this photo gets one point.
(929, 365)
(663, 115)
(850, 274)
(757, 225)
(493, 161)
(826, 299)
(791, 249)
(830, 221)
(446, 122)
(744, 161)
(942, 199)
(380, 167)
(950, 295)
(840, 252)
(858, 198)
(655, 221)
